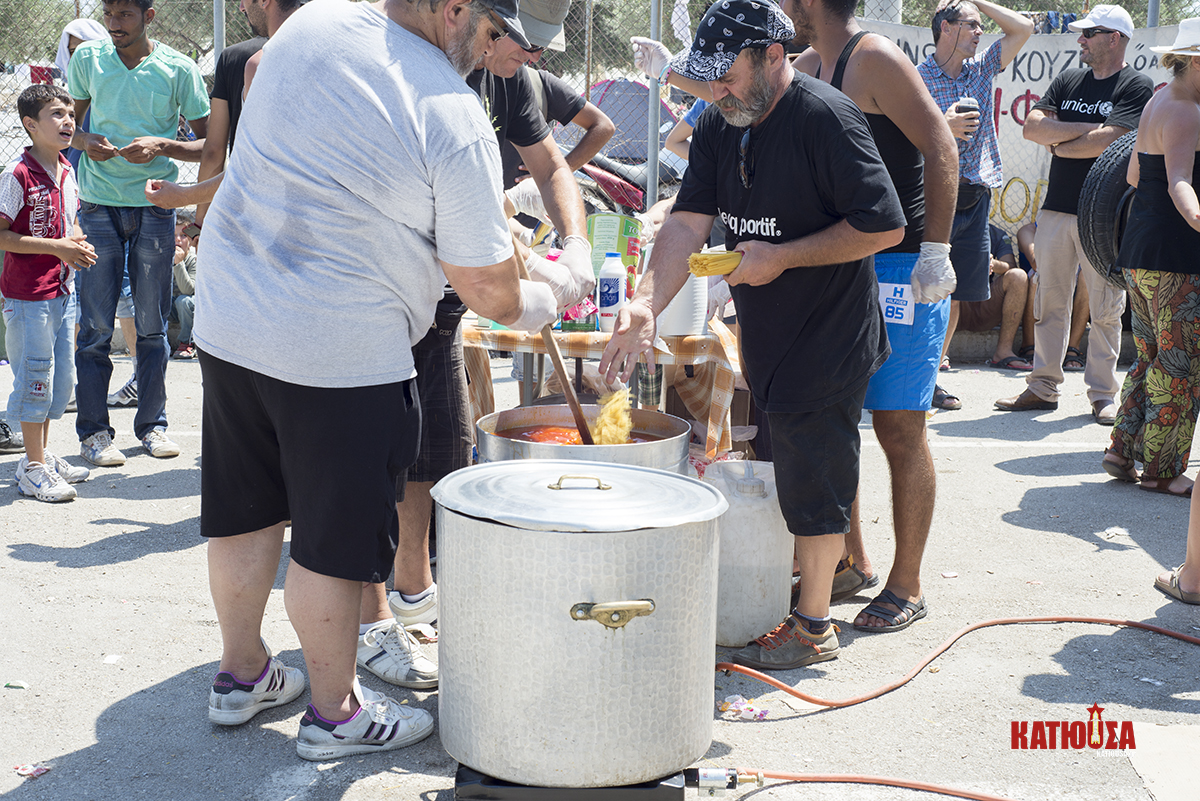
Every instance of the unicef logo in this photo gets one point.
(1106, 108)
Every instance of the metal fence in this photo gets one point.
(597, 61)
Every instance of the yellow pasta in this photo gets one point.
(706, 264)
(614, 422)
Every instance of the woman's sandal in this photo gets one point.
(1123, 470)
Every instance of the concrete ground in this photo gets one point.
(109, 622)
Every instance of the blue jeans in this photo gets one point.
(185, 311)
(970, 252)
(149, 234)
(40, 341)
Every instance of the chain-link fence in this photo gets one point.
(597, 63)
(29, 37)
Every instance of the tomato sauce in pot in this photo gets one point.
(562, 435)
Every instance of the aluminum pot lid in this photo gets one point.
(572, 495)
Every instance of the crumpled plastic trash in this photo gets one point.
(735, 707)
(31, 771)
(17, 685)
(699, 461)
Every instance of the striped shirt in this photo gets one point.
(978, 159)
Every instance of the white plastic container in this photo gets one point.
(610, 290)
(754, 584)
(685, 314)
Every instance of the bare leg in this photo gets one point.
(35, 436)
(1027, 320)
(951, 325)
(914, 488)
(818, 557)
(129, 331)
(1079, 315)
(854, 538)
(1189, 575)
(374, 606)
(323, 611)
(412, 555)
(1013, 287)
(241, 572)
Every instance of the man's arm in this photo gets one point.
(901, 95)
(1003, 264)
(597, 130)
(96, 145)
(170, 195)
(682, 234)
(763, 262)
(145, 149)
(212, 155)
(1045, 128)
(1017, 29)
(1091, 144)
(557, 185)
(495, 292)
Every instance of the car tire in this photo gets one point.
(1104, 204)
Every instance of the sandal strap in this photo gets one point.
(907, 608)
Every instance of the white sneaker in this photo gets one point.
(100, 451)
(126, 395)
(70, 473)
(395, 656)
(232, 702)
(382, 724)
(41, 482)
(423, 611)
(158, 446)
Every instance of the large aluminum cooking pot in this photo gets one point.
(577, 619)
(668, 453)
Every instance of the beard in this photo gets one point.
(740, 113)
(461, 49)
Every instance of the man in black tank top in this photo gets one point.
(919, 151)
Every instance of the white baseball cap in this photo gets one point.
(1111, 18)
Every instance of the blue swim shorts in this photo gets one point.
(916, 332)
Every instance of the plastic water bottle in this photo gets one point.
(610, 288)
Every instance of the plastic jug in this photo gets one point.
(754, 584)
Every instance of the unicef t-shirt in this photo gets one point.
(814, 334)
(1076, 96)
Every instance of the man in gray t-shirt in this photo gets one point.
(344, 211)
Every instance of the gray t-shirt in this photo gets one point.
(363, 159)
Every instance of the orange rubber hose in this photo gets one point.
(853, 778)
(727, 668)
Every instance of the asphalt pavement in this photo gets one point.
(108, 621)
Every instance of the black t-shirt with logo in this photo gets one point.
(1076, 96)
(813, 335)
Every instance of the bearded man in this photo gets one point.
(790, 165)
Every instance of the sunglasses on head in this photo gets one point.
(745, 161)
(1088, 33)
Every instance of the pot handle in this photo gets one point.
(600, 485)
(614, 614)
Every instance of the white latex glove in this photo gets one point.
(538, 307)
(527, 199)
(718, 295)
(933, 276)
(556, 276)
(577, 258)
(649, 56)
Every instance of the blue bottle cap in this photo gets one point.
(611, 255)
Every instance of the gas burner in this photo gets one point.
(471, 785)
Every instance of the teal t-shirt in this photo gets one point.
(126, 104)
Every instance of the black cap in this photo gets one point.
(727, 28)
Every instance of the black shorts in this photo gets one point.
(817, 465)
(446, 438)
(325, 458)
